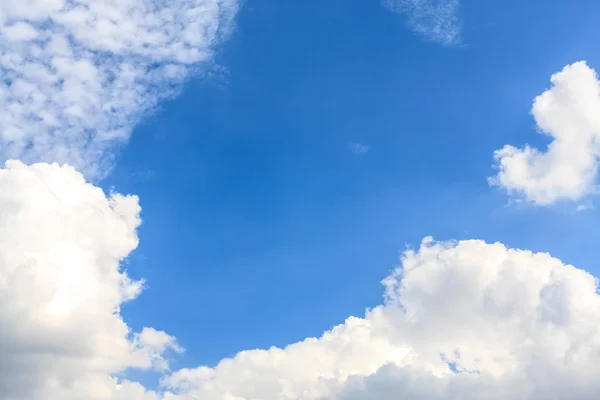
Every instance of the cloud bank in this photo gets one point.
(461, 320)
(434, 20)
(61, 288)
(569, 113)
(77, 75)
(466, 319)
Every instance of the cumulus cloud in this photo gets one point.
(434, 20)
(461, 319)
(466, 320)
(78, 74)
(61, 288)
(569, 113)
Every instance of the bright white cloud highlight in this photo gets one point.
(569, 113)
(61, 288)
(434, 20)
(510, 323)
(77, 75)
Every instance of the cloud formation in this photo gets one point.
(569, 113)
(466, 320)
(434, 20)
(61, 288)
(77, 75)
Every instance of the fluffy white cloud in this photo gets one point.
(78, 74)
(569, 112)
(61, 288)
(466, 320)
(433, 20)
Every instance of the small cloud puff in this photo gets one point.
(359, 148)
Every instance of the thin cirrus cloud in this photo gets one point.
(434, 20)
(569, 114)
(78, 74)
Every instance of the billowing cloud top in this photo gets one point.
(78, 74)
(466, 320)
(569, 113)
(434, 20)
(61, 288)
(460, 320)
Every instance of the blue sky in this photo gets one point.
(341, 200)
(262, 227)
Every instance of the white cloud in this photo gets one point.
(433, 20)
(77, 75)
(568, 112)
(465, 320)
(61, 288)
(512, 324)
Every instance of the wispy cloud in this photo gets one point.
(585, 207)
(359, 148)
(78, 74)
(433, 20)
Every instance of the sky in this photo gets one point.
(261, 200)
